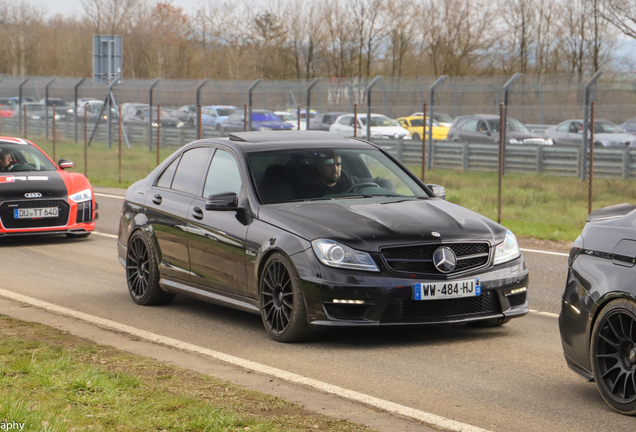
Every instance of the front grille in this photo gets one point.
(433, 310)
(419, 258)
(346, 311)
(7, 208)
(84, 212)
(517, 299)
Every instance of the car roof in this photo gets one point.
(13, 140)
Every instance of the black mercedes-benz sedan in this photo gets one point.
(310, 230)
(598, 309)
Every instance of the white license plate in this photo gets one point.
(446, 290)
(36, 213)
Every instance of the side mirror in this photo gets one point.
(438, 190)
(225, 201)
(65, 164)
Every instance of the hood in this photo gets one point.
(521, 135)
(13, 186)
(370, 223)
(388, 130)
(615, 139)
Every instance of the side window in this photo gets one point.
(192, 164)
(565, 127)
(223, 175)
(165, 180)
(327, 119)
(345, 120)
(470, 125)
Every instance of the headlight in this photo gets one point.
(549, 141)
(70, 110)
(36, 117)
(180, 124)
(334, 254)
(375, 135)
(508, 250)
(85, 195)
(154, 124)
(513, 141)
(264, 129)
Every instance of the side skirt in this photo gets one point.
(212, 296)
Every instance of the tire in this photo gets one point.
(218, 127)
(494, 322)
(613, 355)
(142, 273)
(416, 137)
(82, 235)
(282, 302)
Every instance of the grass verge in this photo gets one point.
(52, 381)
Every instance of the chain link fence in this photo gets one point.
(546, 152)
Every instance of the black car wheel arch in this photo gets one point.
(613, 355)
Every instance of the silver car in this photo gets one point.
(606, 134)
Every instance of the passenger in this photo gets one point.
(5, 160)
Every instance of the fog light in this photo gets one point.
(348, 301)
(517, 291)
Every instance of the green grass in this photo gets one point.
(52, 381)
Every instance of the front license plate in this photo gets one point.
(446, 290)
(36, 213)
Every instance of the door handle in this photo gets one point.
(157, 199)
(197, 213)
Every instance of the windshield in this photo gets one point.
(32, 107)
(441, 117)
(512, 125)
(224, 112)
(286, 117)
(607, 127)
(420, 122)
(16, 158)
(265, 117)
(378, 121)
(316, 174)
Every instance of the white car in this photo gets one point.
(287, 117)
(382, 127)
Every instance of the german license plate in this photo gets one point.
(446, 290)
(36, 213)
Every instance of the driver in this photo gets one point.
(5, 160)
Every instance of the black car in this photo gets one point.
(254, 222)
(484, 128)
(598, 309)
(140, 118)
(187, 114)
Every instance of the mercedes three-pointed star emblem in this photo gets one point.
(444, 259)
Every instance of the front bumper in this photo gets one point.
(74, 218)
(382, 299)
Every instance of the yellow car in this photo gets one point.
(414, 125)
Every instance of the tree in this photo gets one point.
(20, 29)
(621, 14)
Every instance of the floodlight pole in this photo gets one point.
(152, 86)
(431, 106)
(586, 123)
(76, 91)
(507, 86)
(109, 97)
(46, 108)
(20, 104)
(249, 103)
(368, 93)
(199, 87)
(309, 87)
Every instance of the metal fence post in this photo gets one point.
(501, 160)
(152, 86)
(586, 125)
(424, 142)
(198, 103)
(54, 134)
(158, 133)
(249, 103)
(540, 90)
(431, 104)
(589, 195)
(368, 95)
(20, 105)
(507, 86)
(355, 120)
(309, 87)
(46, 109)
(75, 92)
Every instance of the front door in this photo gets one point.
(216, 239)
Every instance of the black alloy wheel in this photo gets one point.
(613, 355)
(282, 302)
(142, 273)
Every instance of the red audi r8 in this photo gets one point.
(38, 197)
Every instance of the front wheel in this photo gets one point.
(282, 302)
(142, 273)
(613, 355)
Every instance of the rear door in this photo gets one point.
(216, 239)
(167, 206)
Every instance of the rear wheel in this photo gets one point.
(613, 355)
(494, 322)
(142, 273)
(416, 137)
(282, 302)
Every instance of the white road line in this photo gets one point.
(544, 252)
(108, 196)
(428, 418)
(104, 234)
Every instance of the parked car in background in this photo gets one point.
(187, 114)
(484, 128)
(6, 111)
(382, 127)
(291, 119)
(93, 109)
(213, 115)
(140, 118)
(61, 108)
(598, 307)
(606, 134)
(415, 126)
(324, 121)
(441, 118)
(36, 111)
(630, 126)
(8, 102)
(262, 120)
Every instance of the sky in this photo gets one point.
(74, 7)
